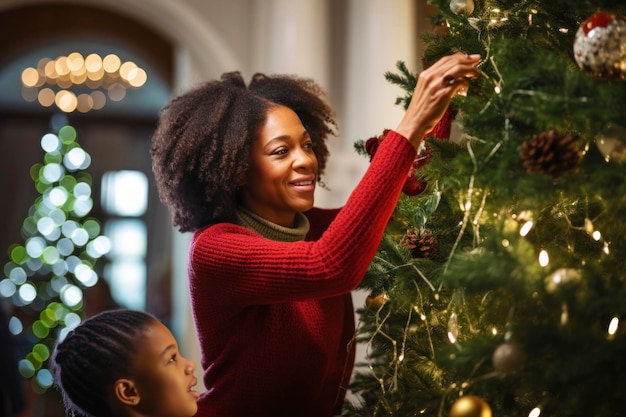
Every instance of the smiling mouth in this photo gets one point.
(302, 183)
(193, 384)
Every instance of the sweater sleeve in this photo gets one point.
(244, 268)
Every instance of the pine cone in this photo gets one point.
(421, 243)
(552, 153)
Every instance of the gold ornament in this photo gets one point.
(376, 301)
(470, 406)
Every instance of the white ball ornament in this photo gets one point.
(462, 6)
(599, 46)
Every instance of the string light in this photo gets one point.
(613, 326)
(94, 74)
(526, 228)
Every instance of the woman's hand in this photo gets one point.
(431, 97)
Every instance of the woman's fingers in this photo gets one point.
(435, 87)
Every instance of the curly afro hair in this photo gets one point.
(204, 137)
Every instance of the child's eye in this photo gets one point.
(173, 358)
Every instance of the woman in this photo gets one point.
(270, 275)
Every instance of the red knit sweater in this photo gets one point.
(275, 319)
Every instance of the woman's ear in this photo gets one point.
(126, 392)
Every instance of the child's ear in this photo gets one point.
(126, 392)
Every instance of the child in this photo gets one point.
(124, 363)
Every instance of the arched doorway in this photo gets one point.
(116, 136)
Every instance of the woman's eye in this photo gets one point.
(280, 151)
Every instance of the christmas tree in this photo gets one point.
(499, 286)
(45, 275)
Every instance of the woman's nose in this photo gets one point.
(305, 158)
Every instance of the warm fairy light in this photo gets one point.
(535, 412)
(596, 235)
(453, 328)
(66, 101)
(613, 325)
(85, 103)
(544, 258)
(606, 248)
(93, 63)
(74, 71)
(30, 77)
(526, 228)
(46, 97)
(505, 243)
(75, 62)
(494, 331)
(564, 314)
(111, 63)
(497, 89)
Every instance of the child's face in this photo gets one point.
(164, 378)
(283, 170)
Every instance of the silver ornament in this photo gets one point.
(611, 143)
(508, 357)
(561, 277)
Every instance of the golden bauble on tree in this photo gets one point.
(376, 301)
(470, 406)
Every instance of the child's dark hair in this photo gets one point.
(93, 355)
(202, 144)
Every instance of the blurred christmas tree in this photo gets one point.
(45, 275)
(499, 286)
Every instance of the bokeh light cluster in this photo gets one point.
(46, 274)
(80, 83)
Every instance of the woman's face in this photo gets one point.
(164, 378)
(283, 171)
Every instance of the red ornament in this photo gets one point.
(412, 186)
(442, 129)
(600, 19)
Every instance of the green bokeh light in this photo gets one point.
(18, 254)
(40, 329)
(41, 352)
(67, 134)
